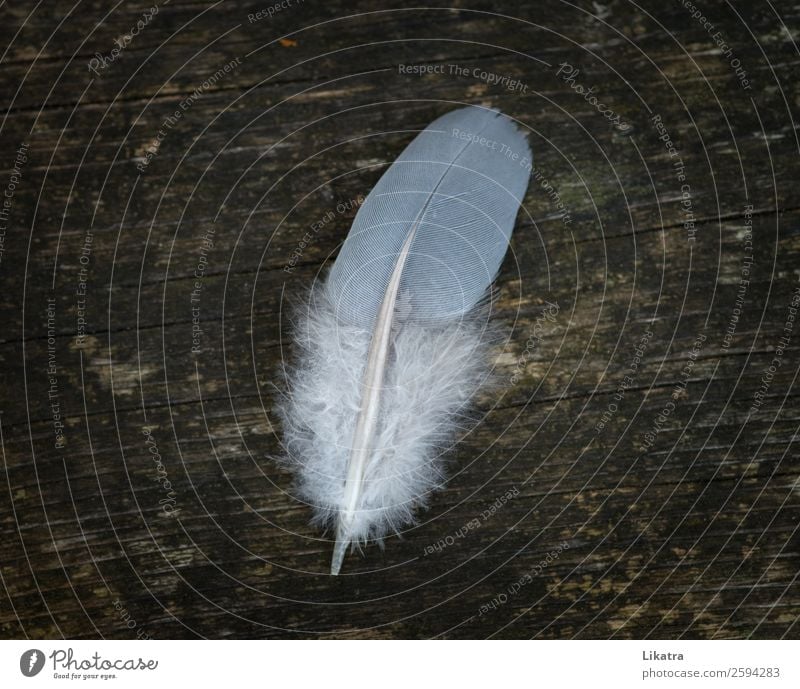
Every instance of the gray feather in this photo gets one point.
(391, 349)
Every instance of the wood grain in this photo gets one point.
(578, 506)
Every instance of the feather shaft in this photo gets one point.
(370, 406)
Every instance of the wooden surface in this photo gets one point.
(584, 504)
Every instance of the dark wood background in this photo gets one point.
(691, 531)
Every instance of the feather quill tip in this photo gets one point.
(339, 551)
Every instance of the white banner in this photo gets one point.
(402, 664)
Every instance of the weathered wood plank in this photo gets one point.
(655, 524)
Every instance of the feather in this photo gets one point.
(392, 345)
